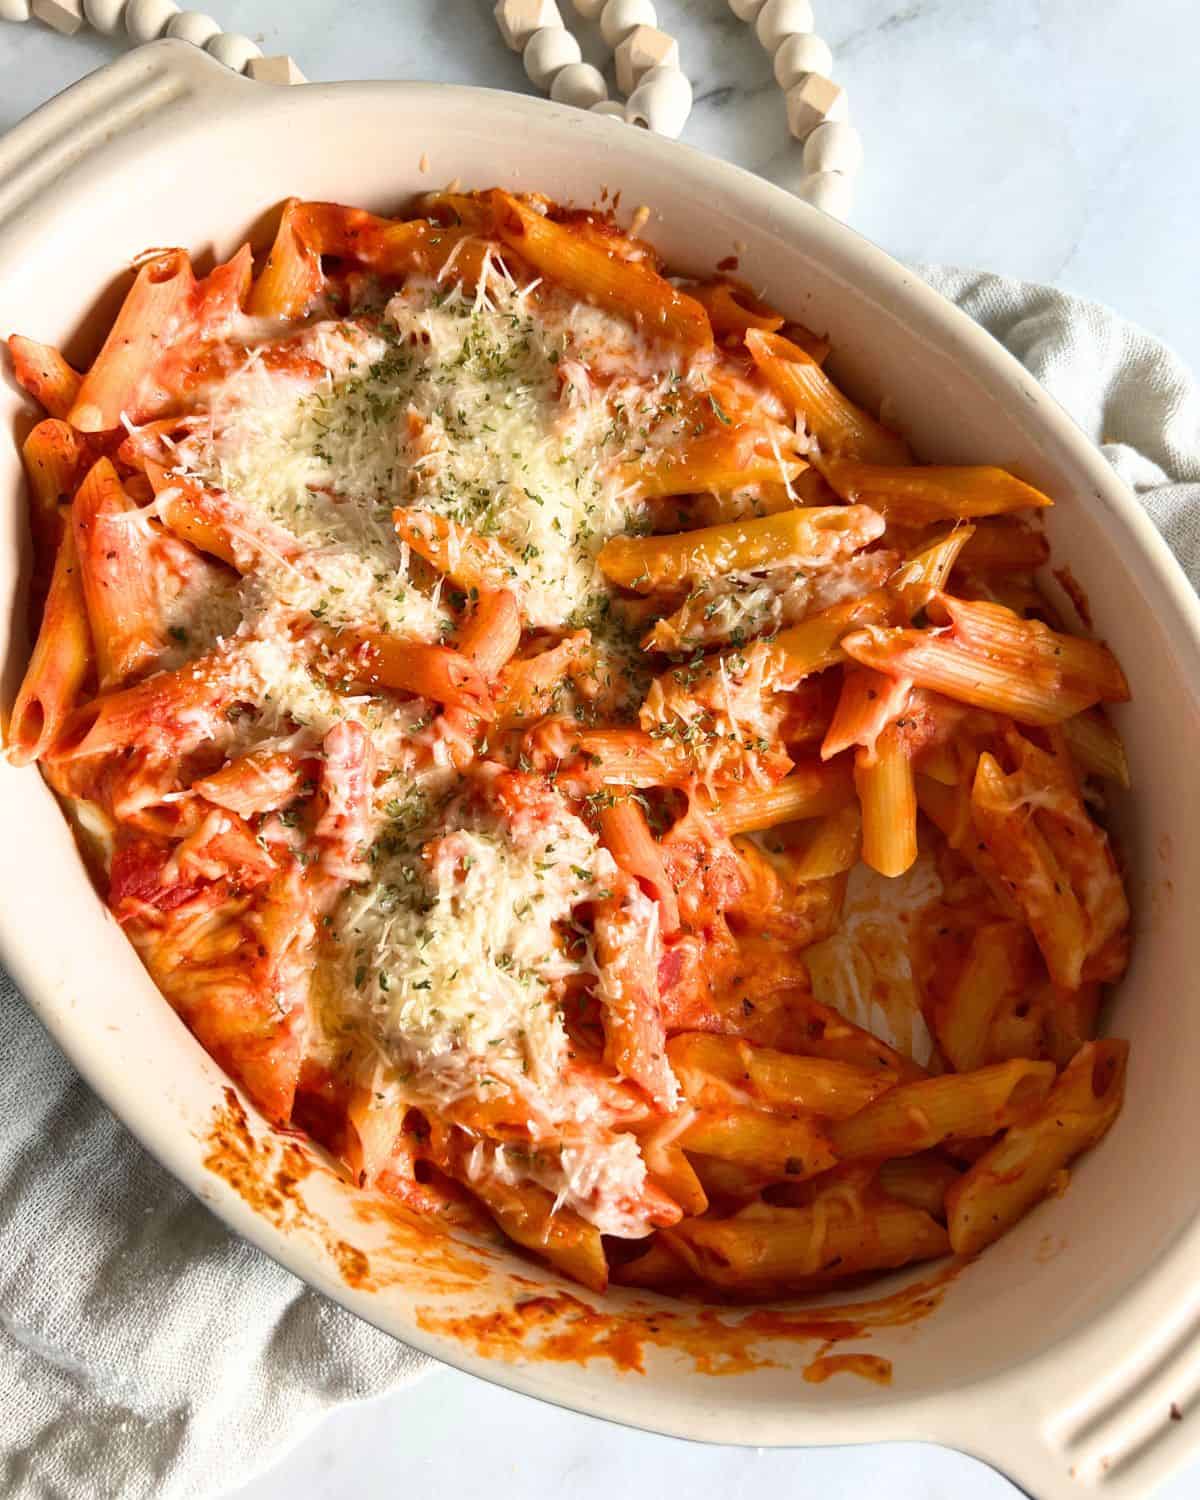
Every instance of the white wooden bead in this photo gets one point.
(800, 54)
(619, 17)
(65, 16)
(193, 26)
(781, 18)
(589, 9)
(644, 48)
(519, 19)
(811, 102)
(146, 20)
(834, 147)
(14, 10)
(274, 70)
(746, 10)
(579, 84)
(547, 52)
(233, 49)
(661, 102)
(610, 108)
(832, 192)
(104, 16)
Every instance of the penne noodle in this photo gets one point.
(117, 574)
(887, 795)
(492, 633)
(919, 1181)
(777, 1147)
(1021, 1168)
(1020, 668)
(997, 969)
(828, 847)
(1004, 547)
(733, 308)
(533, 686)
(528, 1215)
(807, 538)
(45, 374)
(436, 672)
(811, 791)
(916, 494)
(466, 558)
(630, 289)
(170, 710)
(291, 278)
(262, 781)
(868, 703)
(711, 1068)
(789, 1247)
(916, 1116)
(627, 837)
(627, 954)
(58, 667)
(714, 464)
(831, 418)
(1096, 747)
(166, 308)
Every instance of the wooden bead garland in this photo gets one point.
(817, 109)
(148, 20)
(646, 59)
(659, 95)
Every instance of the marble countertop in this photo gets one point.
(1049, 139)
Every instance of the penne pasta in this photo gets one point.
(811, 791)
(62, 656)
(592, 271)
(789, 1248)
(490, 637)
(772, 1145)
(1020, 1169)
(626, 835)
(116, 574)
(916, 494)
(436, 672)
(992, 659)
(45, 374)
(917, 1116)
(808, 538)
(713, 1068)
(887, 795)
(832, 419)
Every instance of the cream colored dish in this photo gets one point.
(1065, 1354)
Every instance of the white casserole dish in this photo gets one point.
(1062, 1355)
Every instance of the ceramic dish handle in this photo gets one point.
(162, 80)
(1096, 1420)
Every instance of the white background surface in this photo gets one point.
(1053, 140)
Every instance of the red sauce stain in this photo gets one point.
(269, 1172)
(1073, 589)
(869, 1366)
(562, 1328)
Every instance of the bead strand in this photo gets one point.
(817, 109)
(646, 60)
(148, 20)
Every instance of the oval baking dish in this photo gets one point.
(1067, 1353)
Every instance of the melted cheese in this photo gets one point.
(865, 969)
(452, 952)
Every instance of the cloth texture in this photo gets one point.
(145, 1351)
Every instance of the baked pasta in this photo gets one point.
(552, 746)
